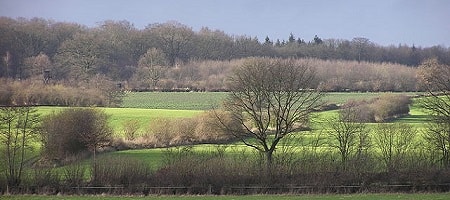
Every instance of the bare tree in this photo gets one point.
(152, 66)
(270, 98)
(435, 77)
(96, 132)
(394, 141)
(174, 39)
(17, 127)
(361, 45)
(36, 65)
(349, 133)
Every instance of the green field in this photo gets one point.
(155, 157)
(136, 107)
(209, 100)
(417, 196)
(174, 100)
(120, 115)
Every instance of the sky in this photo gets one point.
(421, 23)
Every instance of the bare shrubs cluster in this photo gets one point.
(332, 76)
(349, 134)
(204, 128)
(36, 93)
(396, 142)
(73, 131)
(381, 109)
(130, 129)
(338, 75)
(120, 170)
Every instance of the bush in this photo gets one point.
(394, 142)
(161, 130)
(45, 179)
(73, 131)
(208, 128)
(204, 128)
(130, 129)
(380, 109)
(74, 174)
(112, 171)
(365, 114)
(37, 93)
(186, 168)
(390, 106)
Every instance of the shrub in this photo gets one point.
(365, 113)
(130, 129)
(161, 130)
(390, 106)
(45, 178)
(74, 130)
(6, 93)
(209, 129)
(121, 171)
(394, 142)
(187, 168)
(37, 93)
(380, 109)
(74, 174)
(204, 128)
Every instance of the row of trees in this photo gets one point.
(116, 48)
(331, 75)
(29, 92)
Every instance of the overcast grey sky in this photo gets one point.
(385, 22)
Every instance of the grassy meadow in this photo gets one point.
(145, 107)
(417, 118)
(118, 116)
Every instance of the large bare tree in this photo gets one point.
(174, 39)
(271, 98)
(436, 79)
(152, 67)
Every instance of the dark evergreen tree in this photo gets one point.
(267, 41)
(317, 40)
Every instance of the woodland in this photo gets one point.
(170, 55)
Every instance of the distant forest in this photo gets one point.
(172, 55)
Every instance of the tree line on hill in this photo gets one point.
(173, 55)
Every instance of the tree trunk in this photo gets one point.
(269, 163)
